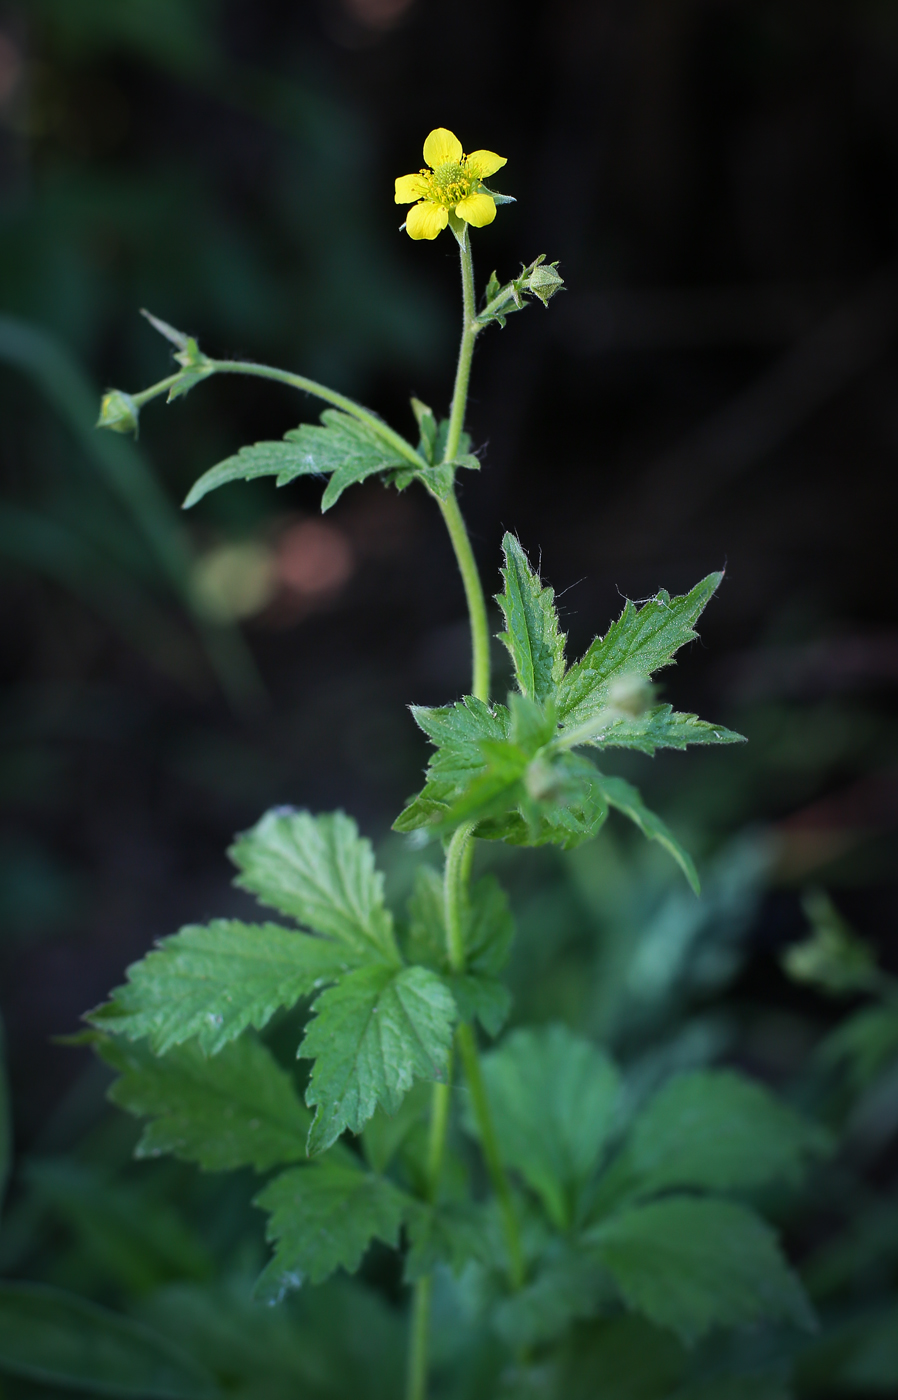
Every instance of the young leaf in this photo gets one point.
(641, 642)
(552, 1096)
(489, 929)
(344, 448)
(323, 1217)
(628, 799)
(692, 1265)
(661, 727)
(533, 638)
(372, 1036)
(457, 731)
(213, 981)
(319, 871)
(719, 1131)
(62, 1340)
(236, 1109)
(483, 999)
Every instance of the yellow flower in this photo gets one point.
(453, 182)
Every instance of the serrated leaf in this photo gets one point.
(235, 1109)
(553, 1096)
(62, 1340)
(533, 638)
(323, 1218)
(385, 1133)
(571, 809)
(568, 1287)
(344, 448)
(372, 1037)
(213, 981)
(628, 799)
(717, 1130)
(483, 999)
(319, 871)
(457, 731)
(641, 642)
(487, 921)
(692, 1265)
(661, 727)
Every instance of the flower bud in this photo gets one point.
(544, 281)
(630, 695)
(119, 412)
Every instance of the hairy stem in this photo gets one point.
(480, 632)
(469, 330)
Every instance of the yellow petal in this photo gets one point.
(441, 148)
(426, 220)
(477, 209)
(484, 163)
(409, 188)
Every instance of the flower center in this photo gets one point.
(450, 183)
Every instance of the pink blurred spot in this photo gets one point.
(314, 559)
(10, 67)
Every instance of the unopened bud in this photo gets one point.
(542, 782)
(544, 282)
(119, 412)
(630, 695)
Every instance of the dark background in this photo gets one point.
(719, 384)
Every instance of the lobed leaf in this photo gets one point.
(213, 981)
(372, 1036)
(319, 871)
(553, 1096)
(323, 1218)
(717, 1130)
(692, 1265)
(344, 448)
(236, 1109)
(61, 1340)
(452, 1233)
(628, 799)
(533, 638)
(661, 727)
(641, 642)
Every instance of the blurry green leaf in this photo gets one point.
(641, 642)
(344, 448)
(319, 871)
(864, 1044)
(59, 1339)
(130, 1237)
(481, 998)
(533, 639)
(213, 981)
(717, 1130)
(323, 1218)
(856, 1356)
(553, 1097)
(384, 1133)
(833, 958)
(568, 1287)
(452, 1233)
(6, 1145)
(692, 1265)
(765, 1386)
(628, 799)
(624, 1357)
(238, 1108)
(372, 1036)
(487, 918)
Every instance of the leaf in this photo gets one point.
(481, 998)
(533, 639)
(765, 1386)
(641, 642)
(319, 871)
(344, 448)
(457, 731)
(372, 1036)
(236, 1109)
(692, 1265)
(489, 928)
(453, 1233)
(6, 1145)
(624, 1357)
(569, 1287)
(59, 1339)
(717, 1130)
(488, 933)
(553, 1096)
(662, 727)
(323, 1217)
(213, 981)
(386, 1133)
(628, 799)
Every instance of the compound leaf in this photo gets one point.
(641, 642)
(717, 1130)
(372, 1036)
(62, 1340)
(319, 871)
(552, 1095)
(236, 1109)
(323, 1217)
(628, 799)
(533, 638)
(213, 981)
(692, 1265)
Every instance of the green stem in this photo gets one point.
(321, 391)
(465, 350)
(419, 1338)
(459, 856)
(480, 632)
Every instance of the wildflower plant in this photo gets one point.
(564, 1205)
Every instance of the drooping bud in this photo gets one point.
(119, 412)
(544, 280)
